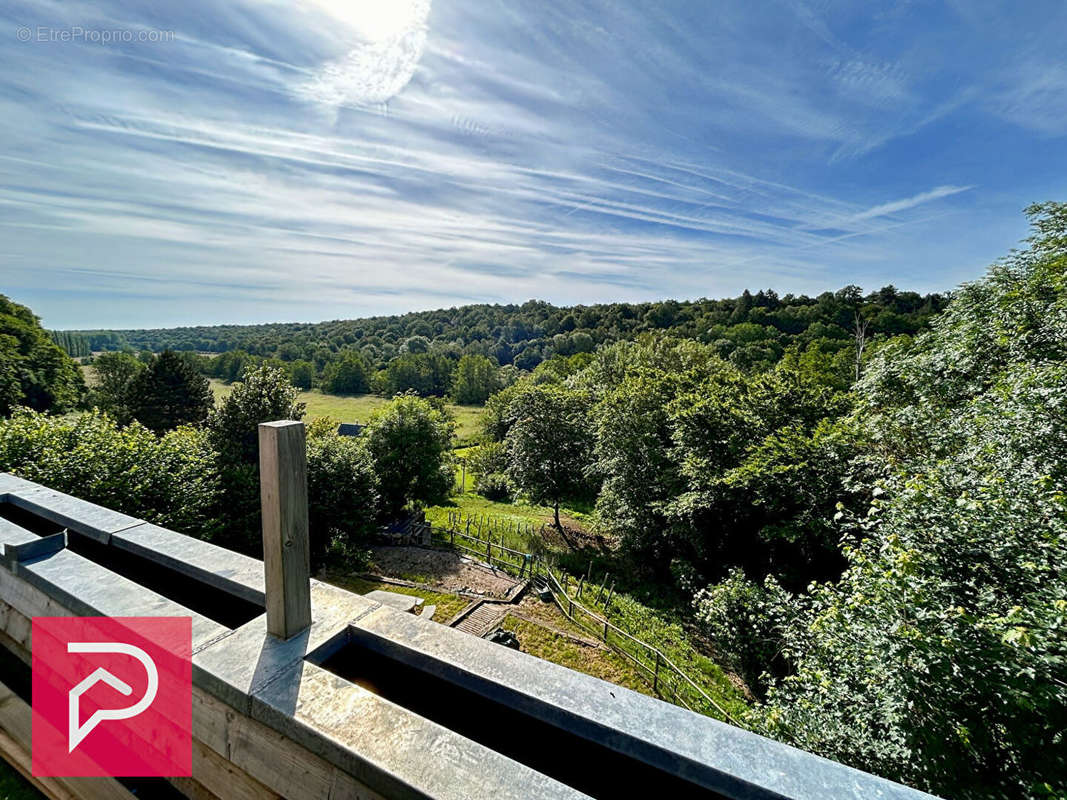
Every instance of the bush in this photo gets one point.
(342, 496)
(487, 463)
(411, 444)
(744, 622)
(169, 480)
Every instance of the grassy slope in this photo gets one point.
(659, 628)
(544, 643)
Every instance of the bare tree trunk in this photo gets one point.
(555, 511)
(860, 332)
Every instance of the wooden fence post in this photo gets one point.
(284, 505)
(655, 676)
(602, 585)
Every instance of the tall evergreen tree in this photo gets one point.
(168, 393)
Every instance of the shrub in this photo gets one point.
(170, 480)
(342, 496)
(743, 620)
(411, 443)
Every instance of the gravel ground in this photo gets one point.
(440, 569)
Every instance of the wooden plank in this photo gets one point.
(16, 722)
(286, 555)
(222, 779)
(281, 763)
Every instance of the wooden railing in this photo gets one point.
(493, 553)
(666, 678)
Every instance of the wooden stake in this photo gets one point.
(284, 504)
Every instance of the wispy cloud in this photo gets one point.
(341, 157)
(895, 206)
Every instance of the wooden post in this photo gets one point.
(607, 603)
(602, 585)
(284, 503)
(655, 676)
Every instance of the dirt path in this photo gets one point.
(440, 569)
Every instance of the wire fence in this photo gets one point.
(667, 679)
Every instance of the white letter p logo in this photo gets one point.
(76, 732)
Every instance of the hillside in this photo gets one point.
(751, 330)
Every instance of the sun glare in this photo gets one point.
(376, 20)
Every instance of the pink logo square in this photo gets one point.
(112, 696)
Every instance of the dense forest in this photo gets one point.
(422, 351)
(862, 511)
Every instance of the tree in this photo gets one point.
(342, 496)
(410, 442)
(550, 445)
(350, 375)
(423, 373)
(114, 375)
(938, 657)
(34, 370)
(475, 380)
(302, 374)
(168, 393)
(265, 395)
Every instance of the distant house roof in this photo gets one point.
(349, 429)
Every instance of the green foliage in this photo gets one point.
(424, 374)
(350, 375)
(114, 374)
(302, 374)
(938, 658)
(342, 496)
(475, 380)
(495, 419)
(752, 331)
(549, 444)
(744, 621)
(169, 392)
(265, 395)
(169, 480)
(488, 463)
(73, 344)
(707, 463)
(410, 442)
(34, 370)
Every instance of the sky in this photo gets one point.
(209, 162)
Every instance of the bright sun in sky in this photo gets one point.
(376, 20)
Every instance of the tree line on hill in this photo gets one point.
(470, 352)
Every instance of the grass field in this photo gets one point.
(359, 409)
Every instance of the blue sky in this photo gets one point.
(277, 161)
